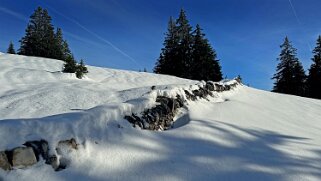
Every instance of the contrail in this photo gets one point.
(298, 20)
(96, 35)
(14, 14)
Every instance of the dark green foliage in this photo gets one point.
(41, 40)
(314, 77)
(70, 66)
(166, 63)
(187, 54)
(290, 76)
(11, 48)
(61, 47)
(204, 65)
(81, 70)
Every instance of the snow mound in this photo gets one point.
(241, 134)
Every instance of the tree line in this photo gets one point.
(42, 40)
(187, 53)
(290, 77)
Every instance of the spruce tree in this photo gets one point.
(290, 76)
(62, 50)
(166, 63)
(314, 77)
(11, 48)
(39, 39)
(81, 70)
(70, 66)
(204, 64)
(184, 49)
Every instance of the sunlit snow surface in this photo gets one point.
(243, 134)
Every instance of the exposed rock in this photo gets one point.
(53, 161)
(40, 148)
(63, 150)
(23, 157)
(190, 96)
(160, 117)
(4, 163)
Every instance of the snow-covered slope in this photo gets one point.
(242, 134)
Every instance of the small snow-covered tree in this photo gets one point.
(81, 70)
(70, 65)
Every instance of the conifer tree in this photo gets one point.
(184, 50)
(70, 66)
(290, 76)
(62, 50)
(11, 48)
(314, 77)
(39, 39)
(204, 65)
(166, 62)
(81, 70)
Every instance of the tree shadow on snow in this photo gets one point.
(256, 156)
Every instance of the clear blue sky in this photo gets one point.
(128, 34)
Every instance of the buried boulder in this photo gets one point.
(4, 162)
(23, 157)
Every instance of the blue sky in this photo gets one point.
(128, 34)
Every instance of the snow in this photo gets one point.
(242, 134)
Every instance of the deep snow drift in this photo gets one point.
(242, 134)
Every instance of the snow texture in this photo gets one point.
(242, 134)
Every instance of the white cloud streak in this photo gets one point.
(14, 14)
(96, 35)
(298, 20)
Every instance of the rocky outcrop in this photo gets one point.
(4, 163)
(23, 157)
(161, 117)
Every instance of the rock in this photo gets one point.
(40, 148)
(210, 86)
(53, 161)
(4, 163)
(66, 146)
(23, 157)
(190, 96)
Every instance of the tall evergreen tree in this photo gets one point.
(290, 76)
(61, 47)
(314, 77)
(166, 63)
(40, 36)
(184, 50)
(11, 48)
(204, 65)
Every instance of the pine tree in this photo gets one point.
(70, 66)
(204, 65)
(314, 77)
(62, 50)
(290, 75)
(39, 39)
(166, 63)
(11, 48)
(184, 49)
(58, 54)
(81, 70)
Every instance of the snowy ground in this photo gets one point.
(243, 134)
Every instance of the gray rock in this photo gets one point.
(23, 157)
(40, 148)
(4, 163)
